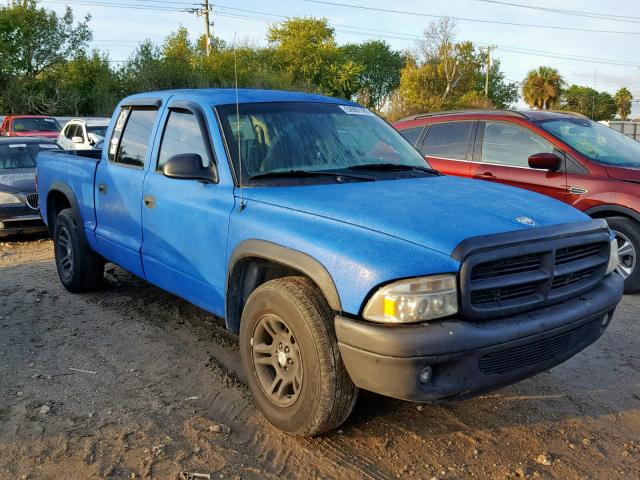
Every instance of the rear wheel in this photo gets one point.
(290, 356)
(627, 232)
(80, 269)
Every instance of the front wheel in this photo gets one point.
(80, 269)
(290, 356)
(627, 232)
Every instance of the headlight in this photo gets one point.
(613, 257)
(8, 198)
(414, 300)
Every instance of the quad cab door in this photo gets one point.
(502, 155)
(448, 146)
(118, 186)
(185, 220)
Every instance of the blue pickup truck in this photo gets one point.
(328, 243)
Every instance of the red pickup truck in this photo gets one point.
(30, 126)
(560, 154)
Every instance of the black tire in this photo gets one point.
(80, 269)
(326, 395)
(628, 230)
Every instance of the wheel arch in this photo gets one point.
(604, 211)
(254, 262)
(59, 197)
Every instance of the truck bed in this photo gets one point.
(69, 172)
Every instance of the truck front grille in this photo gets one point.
(505, 279)
(538, 351)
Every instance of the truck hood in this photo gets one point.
(434, 212)
(624, 173)
(18, 180)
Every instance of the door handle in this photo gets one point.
(150, 201)
(102, 188)
(485, 176)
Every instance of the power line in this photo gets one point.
(117, 5)
(465, 19)
(577, 13)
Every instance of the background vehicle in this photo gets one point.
(79, 134)
(560, 154)
(327, 242)
(18, 196)
(29, 126)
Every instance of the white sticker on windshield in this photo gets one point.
(47, 145)
(50, 120)
(18, 145)
(355, 110)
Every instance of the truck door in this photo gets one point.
(185, 221)
(118, 187)
(502, 155)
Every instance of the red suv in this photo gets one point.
(560, 154)
(30, 126)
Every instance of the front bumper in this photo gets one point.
(19, 219)
(469, 358)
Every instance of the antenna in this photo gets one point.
(235, 72)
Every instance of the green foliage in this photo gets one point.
(542, 88)
(445, 74)
(623, 100)
(380, 74)
(305, 48)
(588, 102)
(33, 39)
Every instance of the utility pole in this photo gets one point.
(486, 79)
(204, 12)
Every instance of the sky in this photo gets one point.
(586, 48)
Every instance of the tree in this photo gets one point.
(380, 71)
(33, 39)
(304, 47)
(343, 80)
(502, 94)
(588, 102)
(623, 99)
(542, 88)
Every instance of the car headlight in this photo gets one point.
(613, 257)
(414, 300)
(8, 198)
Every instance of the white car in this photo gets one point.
(80, 134)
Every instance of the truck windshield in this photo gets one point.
(36, 124)
(22, 155)
(595, 141)
(305, 137)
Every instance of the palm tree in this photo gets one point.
(623, 99)
(542, 87)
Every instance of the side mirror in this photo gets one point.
(545, 161)
(77, 139)
(188, 166)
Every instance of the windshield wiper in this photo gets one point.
(391, 167)
(307, 173)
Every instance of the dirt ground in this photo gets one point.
(132, 382)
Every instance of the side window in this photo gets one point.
(131, 135)
(448, 140)
(71, 131)
(412, 134)
(507, 144)
(182, 134)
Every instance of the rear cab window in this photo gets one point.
(450, 140)
(131, 136)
